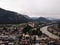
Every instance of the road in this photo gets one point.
(45, 31)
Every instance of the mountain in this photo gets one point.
(50, 18)
(27, 16)
(11, 17)
(57, 20)
(53, 19)
(34, 18)
(42, 19)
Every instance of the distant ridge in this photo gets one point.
(42, 19)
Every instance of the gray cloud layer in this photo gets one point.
(36, 8)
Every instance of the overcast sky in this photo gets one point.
(33, 8)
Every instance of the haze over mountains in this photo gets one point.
(13, 17)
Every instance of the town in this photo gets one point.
(31, 33)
